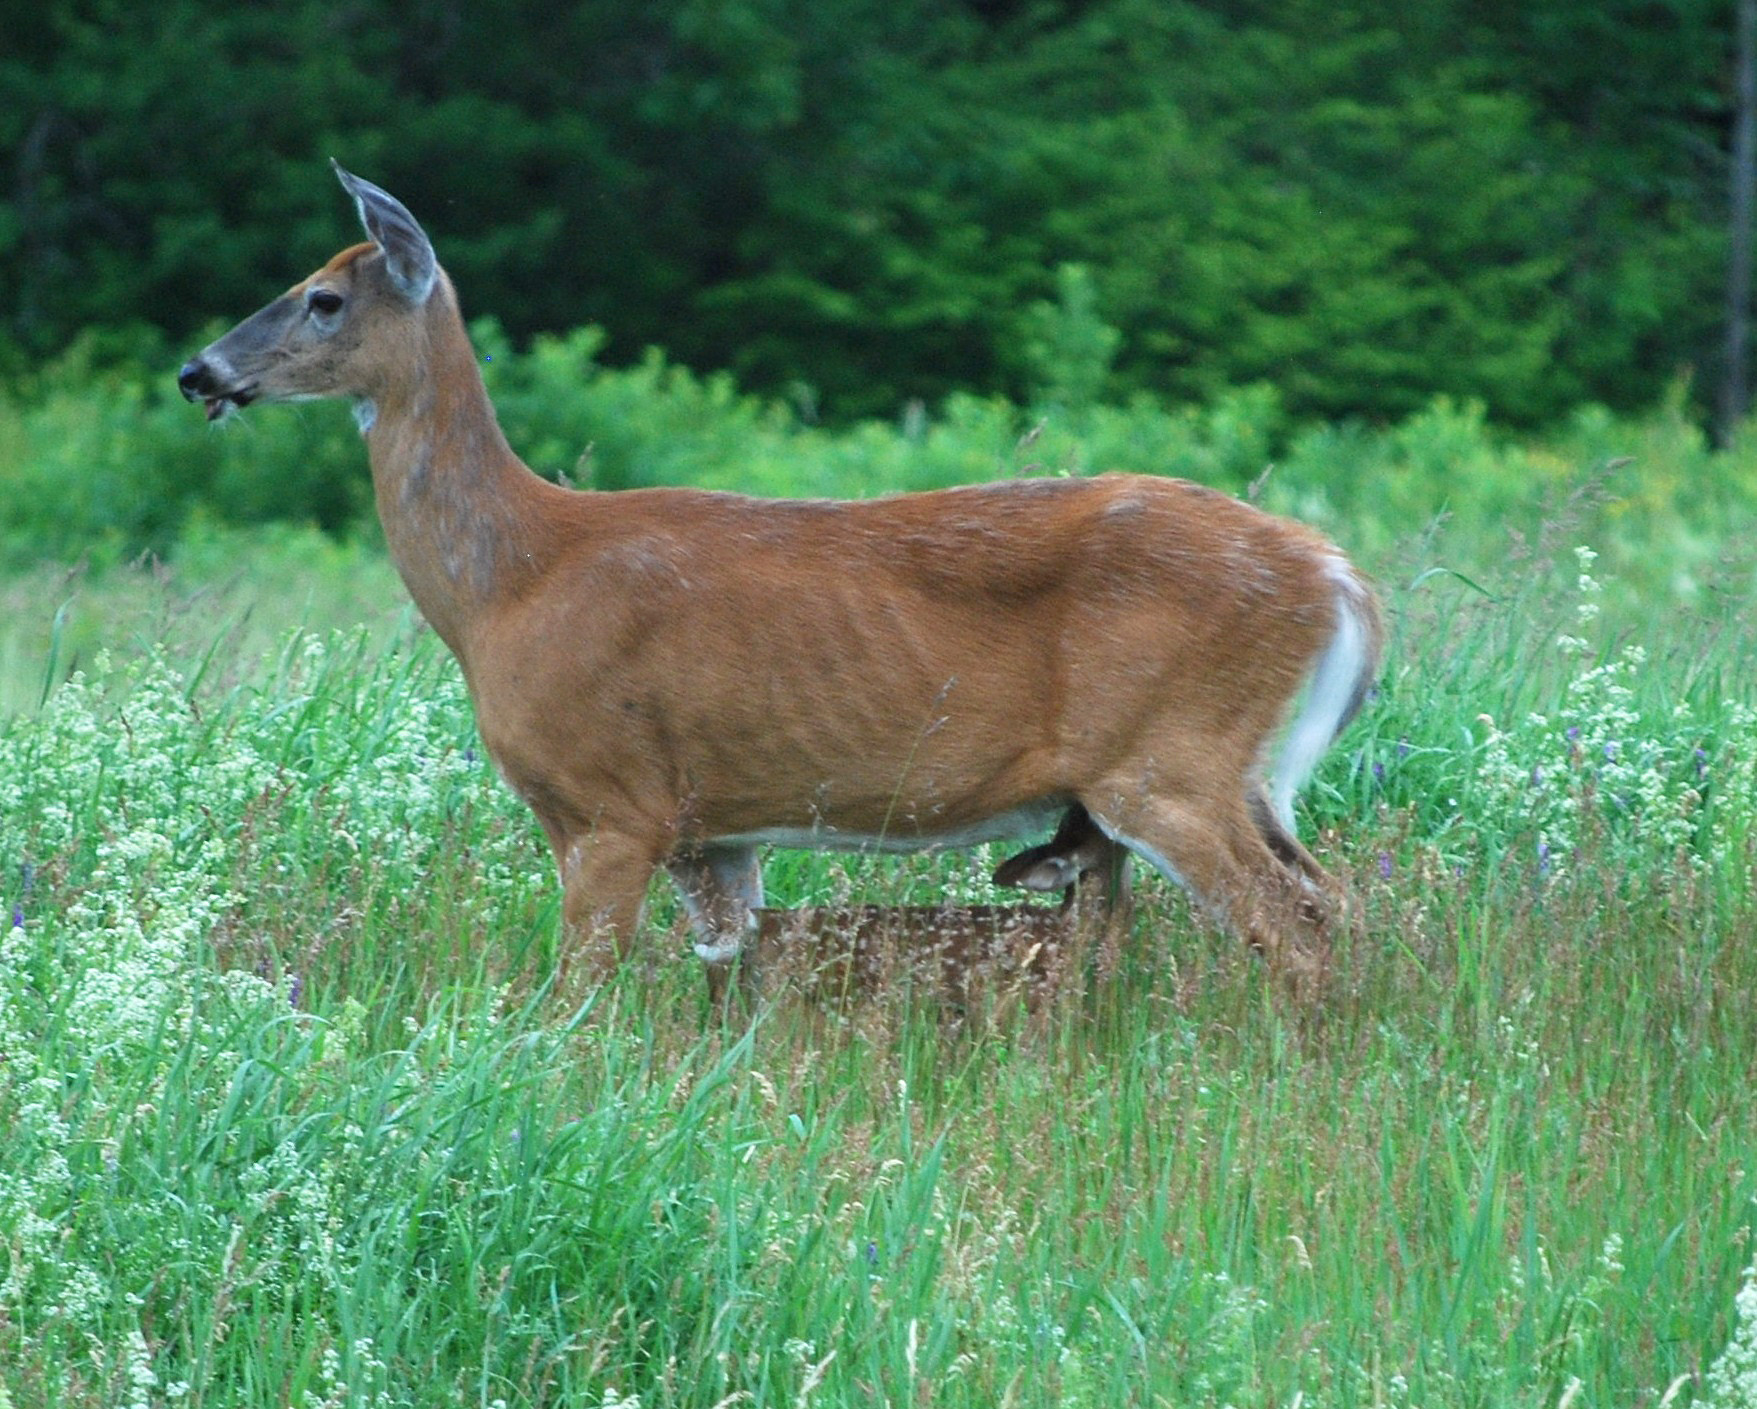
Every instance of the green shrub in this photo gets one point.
(100, 457)
(111, 462)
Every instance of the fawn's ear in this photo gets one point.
(1040, 869)
(408, 254)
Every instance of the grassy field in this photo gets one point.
(287, 1116)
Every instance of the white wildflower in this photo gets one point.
(1732, 1378)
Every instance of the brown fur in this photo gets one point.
(662, 673)
(844, 951)
(948, 952)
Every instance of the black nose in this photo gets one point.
(194, 380)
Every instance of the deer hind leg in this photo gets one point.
(722, 888)
(1217, 851)
(1321, 894)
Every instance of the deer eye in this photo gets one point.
(323, 301)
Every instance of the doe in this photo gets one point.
(677, 678)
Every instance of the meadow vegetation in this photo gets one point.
(289, 1116)
(98, 462)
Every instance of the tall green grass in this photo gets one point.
(289, 1116)
(227, 595)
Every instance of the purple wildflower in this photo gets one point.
(1701, 762)
(1573, 734)
(1537, 777)
(295, 991)
(27, 875)
(1384, 865)
(1610, 748)
(1379, 772)
(1543, 858)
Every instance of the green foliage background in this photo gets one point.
(101, 463)
(860, 202)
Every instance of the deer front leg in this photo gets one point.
(604, 877)
(721, 887)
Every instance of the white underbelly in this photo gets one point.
(1027, 821)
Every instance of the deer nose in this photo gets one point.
(194, 380)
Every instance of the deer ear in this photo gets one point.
(1039, 868)
(408, 255)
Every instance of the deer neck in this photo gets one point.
(459, 509)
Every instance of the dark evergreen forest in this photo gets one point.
(861, 203)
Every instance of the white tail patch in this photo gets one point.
(1337, 686)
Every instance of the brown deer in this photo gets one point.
(678, 678)
(846, 950)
